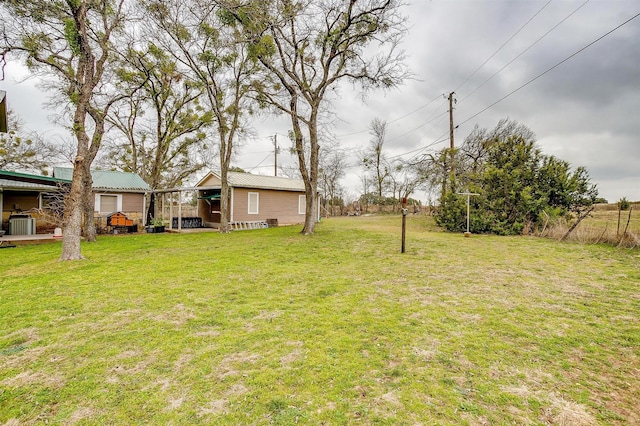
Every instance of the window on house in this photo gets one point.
(108, 203)
(302, 204)
(254, 203)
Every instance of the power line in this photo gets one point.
(550, 69)
(395, 119)
(503, 45)
(420, 126)
(263, 160)
(438, 140)
(525, 50)
(415, 110)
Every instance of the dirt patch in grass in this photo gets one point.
(121, 369)
(21, 356)
(555, 409)
(80, 414)
(34, 378)
(221, 405)
(208, 332)
(267, 315)
(291, 357)
(231, 365)
(567, 413)
(128, 354)
(216, 406)
(182, 361)
(175, 403)
(425, 354)
(178, 316)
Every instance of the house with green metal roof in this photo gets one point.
(108, 180)
(26, 198)
(23, 198)
(114, 191)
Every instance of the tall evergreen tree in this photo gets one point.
(516, 183)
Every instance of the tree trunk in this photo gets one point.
(72, 223)
(88, 222)
(577, 222)
(151, 209)
(311, 178)
(226, 146)
(84, 79)
(224, 202)
(88, 203)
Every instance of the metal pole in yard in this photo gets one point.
(468, 194)
(404, 222)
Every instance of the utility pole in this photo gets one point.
(451, 101)
(275, 154)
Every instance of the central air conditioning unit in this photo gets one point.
(22, 226)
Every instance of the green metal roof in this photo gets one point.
(17, 179)
(108, 180)
(24, 186)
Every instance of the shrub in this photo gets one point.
(624, 204)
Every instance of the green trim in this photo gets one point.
(211, 197)
(25, 177)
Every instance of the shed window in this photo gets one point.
(302, 204)
(108, 203)
(254, 203)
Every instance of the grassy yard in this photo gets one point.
(272, 327)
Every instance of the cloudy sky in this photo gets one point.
(585, 111)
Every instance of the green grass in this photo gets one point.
(272, 327)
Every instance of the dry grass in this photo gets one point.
(606, 224)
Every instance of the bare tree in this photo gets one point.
(21, 149)
(374, 159)
(71, 40)
(434, 171)
(307, 47)
(332, 169)
(404, 179)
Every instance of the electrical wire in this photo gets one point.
(263, 160)
(550, 69)
(416, 128)
(395, 119)
(438, 140)
(503, 45)
(438, 97)
(524, 51)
